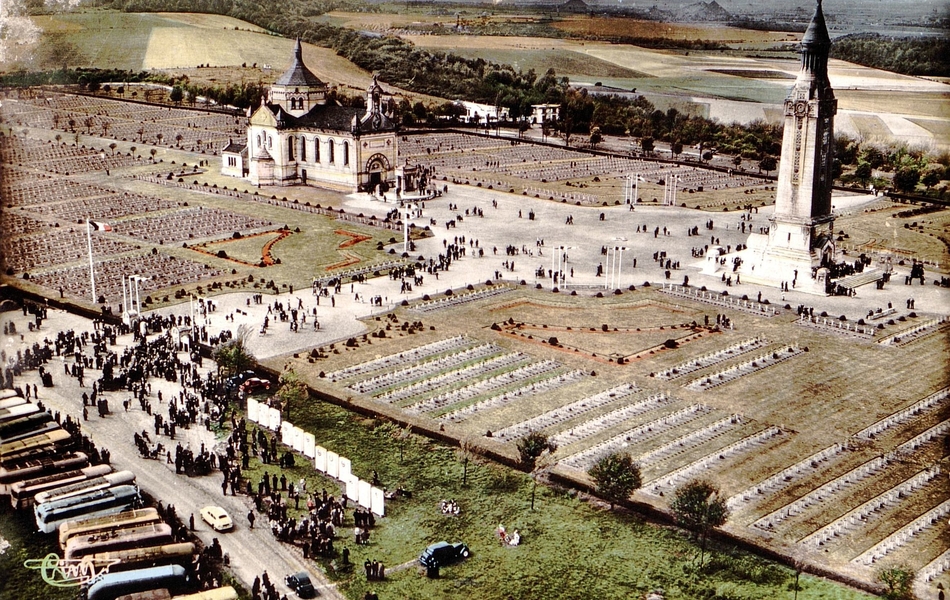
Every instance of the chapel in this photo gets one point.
(299, 137)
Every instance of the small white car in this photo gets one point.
(217, 518)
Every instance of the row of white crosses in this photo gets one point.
(326, 461)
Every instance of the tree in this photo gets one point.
(930, 178)
(697, 506)
(906, 178)
(676, 148)
(596, 136)
(615, 477)
(176, 94)
(292, 391)
(232, 357)
(647, 144)
(899, 581)
(863, 172)
(112, 147)
(737, 161)
(768, 164)
(532, 446)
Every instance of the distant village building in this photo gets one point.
(480, 113)
(545, 112)
(295, 137)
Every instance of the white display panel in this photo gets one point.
(320, 459)
(377, 502)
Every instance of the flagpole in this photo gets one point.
(92, 271)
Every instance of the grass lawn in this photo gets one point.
(18, 583)
(573, 547)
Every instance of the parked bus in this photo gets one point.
(221, 593)
(34, 430)
(58, 438)
(22, 493)
(13, 412)
(109, 501)
(118, 539)
(11, 401)
(149, 556)
(174, 578)
(28, 468)
(24, 423)
(91, 525)
(89, 485)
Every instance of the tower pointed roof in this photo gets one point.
(817, 32)
(298, 75)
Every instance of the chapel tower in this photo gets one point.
(800, 237)
(298, 90)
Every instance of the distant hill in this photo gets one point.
(703, 12)
(574, 6)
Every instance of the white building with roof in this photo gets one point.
(296, 137)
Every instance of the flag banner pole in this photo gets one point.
(92, 270)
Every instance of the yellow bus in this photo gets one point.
(88, 526)
(111, 540)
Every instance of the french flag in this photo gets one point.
(99, 226)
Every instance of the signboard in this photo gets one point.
(274, 419)
(309, 445)
(320, 459)
(353, 488)
(286, 432)
(333, 464)
(344, 469)
(377, 502)
(366, 493)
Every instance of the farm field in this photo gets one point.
(177, 43)
(726, 86)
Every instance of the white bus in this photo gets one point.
(100, 503)
(82, 487)
(23, 492)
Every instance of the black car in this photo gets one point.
(300, 583)
(235, 381)
(442, 553)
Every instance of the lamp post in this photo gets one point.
(408, 209)
(614, 268)
(559, 263)
(669, 192)
(632, 189)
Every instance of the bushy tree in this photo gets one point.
(906, 178)
(697, 505)
(768, 164)
(532, 446)
(233, 357)
(615, 477)
(899, 581)
(292, 391)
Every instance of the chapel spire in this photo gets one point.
(816, 44)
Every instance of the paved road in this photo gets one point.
(251, 551)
